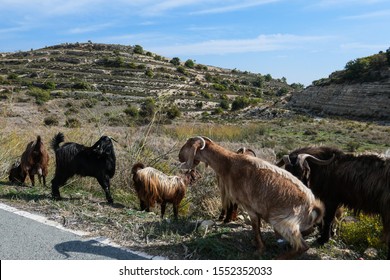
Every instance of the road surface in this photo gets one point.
(25, 236)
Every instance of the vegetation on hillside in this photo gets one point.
(366, 69)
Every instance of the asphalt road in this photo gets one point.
(25, 236)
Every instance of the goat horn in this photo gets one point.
(203, 141)
(113, 139)
(285, 160)
(303, 157)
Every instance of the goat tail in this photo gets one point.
(317, 212)
(57, 139)
(137, 167)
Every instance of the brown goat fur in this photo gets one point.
(16, 174)
(264, 190)
(229, 210)
(35, 161)
(153, 186)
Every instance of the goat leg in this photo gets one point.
(222, 215)
(163, 206)
(105, 184)
(260, 246)
(31, 175)
(327, 227)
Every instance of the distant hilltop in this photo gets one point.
(361, 91)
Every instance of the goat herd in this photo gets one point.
(315, 182)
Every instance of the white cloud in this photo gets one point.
(262, 43)
(226, 7)
(364, 46)
(371, 15)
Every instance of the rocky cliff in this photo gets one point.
(358, 95)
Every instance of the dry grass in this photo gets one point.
(84, 204)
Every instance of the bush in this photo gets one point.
(138, 49)
(148, 108)
(51, 121)
(181, 70)
(189, 63)
(81, 85)
(240, 102)
(173, 112)
(149, 73)
(131, 111)
(72, 123)
(364, 233)
(224, 104)
(175, 61)
(41, 96)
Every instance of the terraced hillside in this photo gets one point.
(115, 83)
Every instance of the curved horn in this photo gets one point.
(203, 141)
(302, 157)
(285, 160)
(241, 150)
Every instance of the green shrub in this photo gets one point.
(138, 49)
(173, 112)
(181, 70)
(81, 85)
(149, 73)
(175, 61)
(51, 121)
(189, 63)
(41, 96)
(240, 102)
(131, 111)
(72, 123)
(366, 232)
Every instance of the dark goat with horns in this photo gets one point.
(72, 159)
(359, 182)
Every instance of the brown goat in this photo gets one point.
(264, 190)
(152, 186)
(230, 210)
(35, 161)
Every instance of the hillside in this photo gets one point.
(115, 83)
(360, 91)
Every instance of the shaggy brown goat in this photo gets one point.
(153, 186)
(264, 190)
(359, 182)
(228, 208)
(35, 161)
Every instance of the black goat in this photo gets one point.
(72, 159)
(360, 182)
(16, 173)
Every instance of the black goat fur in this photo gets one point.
(359, 182)
(72, 159)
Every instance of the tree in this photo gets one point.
(189, 63)
(175, 61)
(138, 49)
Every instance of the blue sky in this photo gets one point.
(299, 40)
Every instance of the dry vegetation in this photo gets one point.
(85, 114)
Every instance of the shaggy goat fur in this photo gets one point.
(264, 190)
(16, 174)
(230, 210)
(72, 159)
(152, 186)
(359, 182)
(35, 161)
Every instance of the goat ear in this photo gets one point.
(191, 154)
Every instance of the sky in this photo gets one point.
(299, 40)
